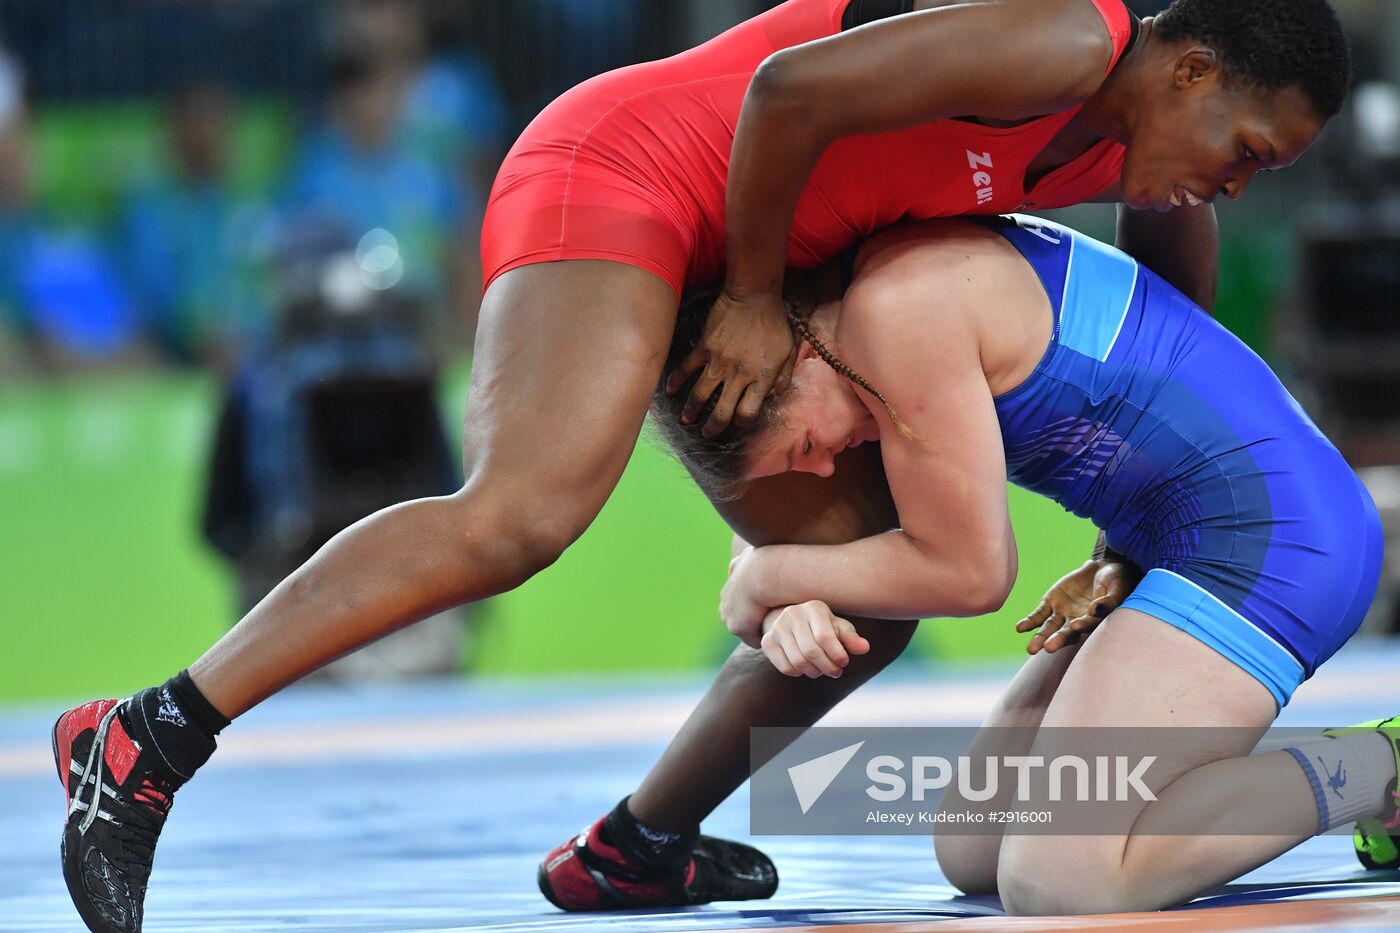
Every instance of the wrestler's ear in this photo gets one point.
(1195, 65)
(805, 350)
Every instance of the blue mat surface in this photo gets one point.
(427, 808)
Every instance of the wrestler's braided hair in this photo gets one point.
(799, 324)
(718, 463)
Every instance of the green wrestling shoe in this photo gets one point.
(1377, 842)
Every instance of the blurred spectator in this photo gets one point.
(356, 169)
(14, 193)
(59, 289)
(454, 111)
(452, 114)
(188, 237)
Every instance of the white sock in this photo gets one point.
(1350, 776)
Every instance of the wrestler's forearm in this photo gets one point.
(1182, 246)
(888, 576)
(1105, 553)
(776, 146)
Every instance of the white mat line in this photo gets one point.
(609, 723)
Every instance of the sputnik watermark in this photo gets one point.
(1067, 777)
(832, 781)
(1105, 776)
(1104, 779)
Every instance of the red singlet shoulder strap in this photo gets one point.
(1121, 26)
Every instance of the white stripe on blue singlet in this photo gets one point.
(1099, 286)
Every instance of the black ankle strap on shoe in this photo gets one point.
(658, 853)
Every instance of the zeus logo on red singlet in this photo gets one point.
(981, 180)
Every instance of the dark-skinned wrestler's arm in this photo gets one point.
(1001, 59)
(1180, 245)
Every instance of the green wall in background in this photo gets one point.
(108, 587)
(105, 582)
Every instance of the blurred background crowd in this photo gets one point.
(239, 274)
(169, 169)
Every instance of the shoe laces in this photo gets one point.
(137, 838)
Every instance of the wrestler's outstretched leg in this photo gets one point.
(567, 356)
(648, 851)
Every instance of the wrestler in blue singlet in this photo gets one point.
(1155, 422)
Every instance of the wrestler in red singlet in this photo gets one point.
(631, 166)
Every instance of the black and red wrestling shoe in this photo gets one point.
(589, 872)
(118, 799)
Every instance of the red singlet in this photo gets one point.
(631, 165)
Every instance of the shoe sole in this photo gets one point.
(70, 851)
(542, 877)
(742, 872)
